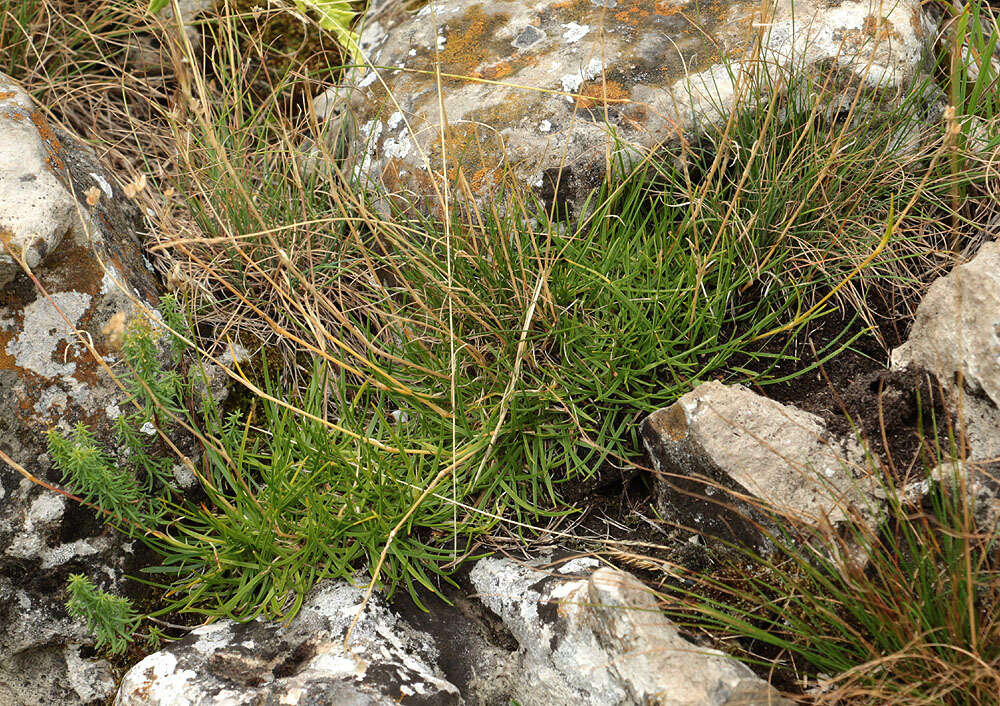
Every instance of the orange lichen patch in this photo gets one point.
(17, 115)
(918, 26)
(469, 40)
(77, 268)
(475, 142)
(571, 4)
(667, 8)
(88, 370)
(7, 361)
(497, 71)
(602, 94)
(632, 15)
(483, 181)
(52, 144)
(466, 145)
(879, 28)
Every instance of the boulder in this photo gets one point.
(303, 662)
(956, 336)
(545, 94)
(728, 462)
(64, 218)
(592, 635)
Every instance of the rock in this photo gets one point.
(956, 336)
(303, 662)
(88, 260)
(189, 9)
(544, 94)
(723, 453)
(477, 652)
(55, 676)
(981, 482)
(145, 51)
(593, 635)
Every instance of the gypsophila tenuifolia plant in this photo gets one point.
(111, 619)
(177, 325)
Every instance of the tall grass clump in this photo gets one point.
(425, 379)
(904, 612)
(466, 370)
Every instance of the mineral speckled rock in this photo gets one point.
(592, 635)
(956, 336)
(84, 256)
(726, 458)
(303, 663)
(544, 93)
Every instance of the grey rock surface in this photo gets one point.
(980, 481)
(85, 254)
(592, 635)
(956, 336)
(477, 652)
(727, 459)
(303, 663)
(543, 93)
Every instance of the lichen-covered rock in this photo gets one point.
(727, 460)
(545, 93)
(303, 663)
(598, 637)
(956, 336)
(66, 220)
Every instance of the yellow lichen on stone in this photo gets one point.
(470, 41)
(602, 93)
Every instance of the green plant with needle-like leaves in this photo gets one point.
(112, 619)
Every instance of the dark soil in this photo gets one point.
(892, 413)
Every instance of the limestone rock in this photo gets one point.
(956, 334)
(597, 637)
(301, 663)
(546, 93)
(981, 482)
(65, 217)
(722, 454)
